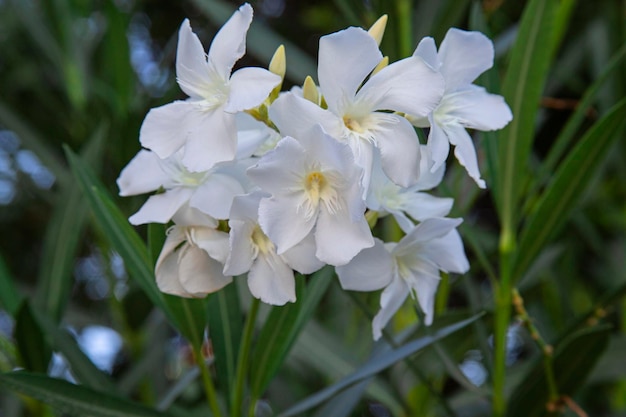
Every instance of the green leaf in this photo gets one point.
(375, 365)
(225, 326)
(62, 237)
(73, 399)
(283, 326)
(262, 41)
(522, 87)
(10, 298)
(569, 183)
(574, 359)
(34, 352)
(189, 317)
(82, 368)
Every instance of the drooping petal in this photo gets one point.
(160, 208)
(229, 44)
(345, 59)
(370, 270)
(249, 87)
(192, 71)
(465, 152)
(199, 273)
(391, 300)
(403, 220)
(399, 151)
(241, 254)
(212, 241)
(143, 174)
(271, 280)
(427, 50)
(408, 86)
(339, 238)
(166, 269)
(251, 135)
(424, 284)
(475, 108)
(283, 222)
(189, 216)
(212, 139)
(438, 145)
(302, 258)
(295, 116)
(447, 253)
(464, 56)
(428, 179)
(215, 196)
(422, 206)
(164, 130)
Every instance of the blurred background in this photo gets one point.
(84, 73)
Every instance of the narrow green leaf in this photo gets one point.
(262, 40)
(283, 326)
(82, 368)
(225, 329)
(10, 298)
(574, 359)
(375, 365)
(522, 87)
(73, 399)
(189, 317)
(568, 185)
(62, 237)
(116, 227)
(31, 343)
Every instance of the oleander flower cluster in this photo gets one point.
(262, 182)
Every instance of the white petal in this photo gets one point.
(399, 151)
(302, 256)
(199, 273)
(447, 253)
(423, 233)
(246, 207)
(422, 206)
(438, 145)
(295, 116)
(425, 287)
(249, 87)
(251, 134)
(160, 208)
(428, 179)
(215, 196)
(464, 56)
(391, 300)
(339, 238)
(465, 152)
(142, 175)
(282, 168)
(164, 130)
(229, 44)
(212, 138)
(212, 241)
(166, 269)
(241, 252)
(284, 222)
(403, 221)
(271, 280)
(192, 71)
(345, 59)
(473, 107)
(427, 50)
(408, 86)
(370, 270)
(188, 216)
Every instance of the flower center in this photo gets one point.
(261, 241)
(353, 124)
(315, 184)
(321, 187)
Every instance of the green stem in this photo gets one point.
(209, 388)
(502, 319)
(243, 359)
(405, 27)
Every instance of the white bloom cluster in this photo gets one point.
(294, 173)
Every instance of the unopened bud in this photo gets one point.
(378, 29)
(382, 64)
(309, 90)
(278, 64)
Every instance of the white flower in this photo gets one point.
(386, 197)
(211, 191)
(462, 57)
(409, 267)
(314, 184)
(271, 276)
(205, 123)
(191, 261)
(359, 110)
